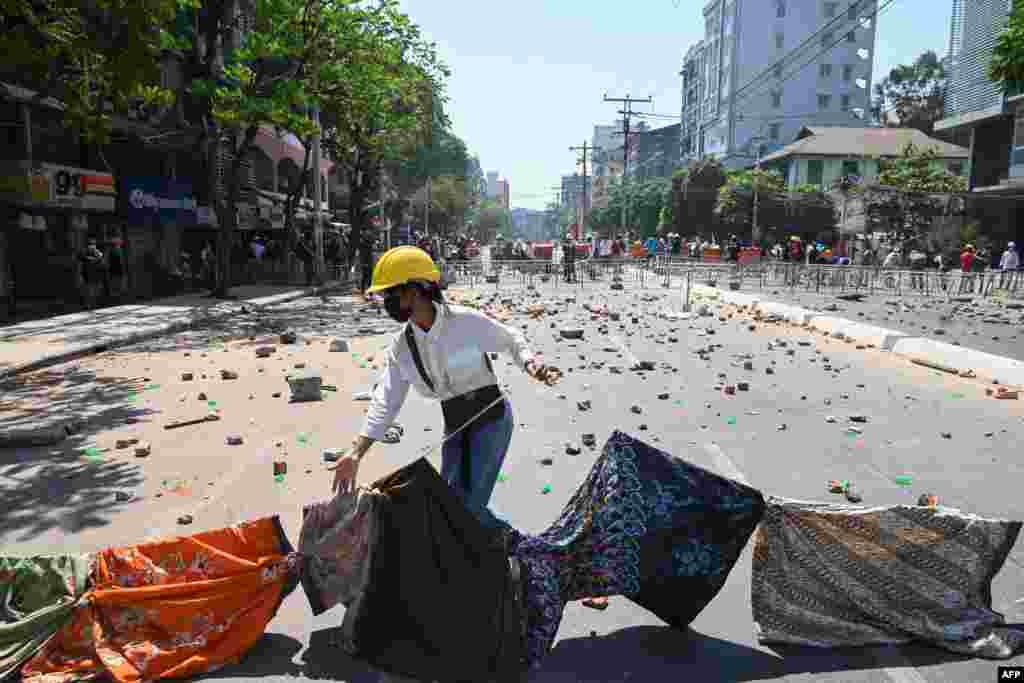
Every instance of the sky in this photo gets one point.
(528, 77)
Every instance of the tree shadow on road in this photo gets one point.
(59, 486)
(660, 653)
(343, 318)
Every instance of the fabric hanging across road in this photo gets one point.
(437, 603)
(830, 575)
(654, 528)
(37, 596)
(172, 608)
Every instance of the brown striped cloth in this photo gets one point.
(829, 575)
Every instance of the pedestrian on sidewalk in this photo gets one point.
(366, 246)
(115, 268)
(91, 261)
(208, 265)
(442, 352)
(1008, 264)
(966, 266)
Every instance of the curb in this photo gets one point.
(171, 328)
(962, 360)
(857, 332)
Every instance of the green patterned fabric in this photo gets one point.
(37, 595)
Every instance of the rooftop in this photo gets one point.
(845, 141)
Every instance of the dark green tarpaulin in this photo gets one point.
(37, 595)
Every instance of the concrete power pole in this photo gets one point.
(586, 197)
(627, 113)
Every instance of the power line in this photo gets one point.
(793, 54)
(736, 97)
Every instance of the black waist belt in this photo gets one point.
(460, 410)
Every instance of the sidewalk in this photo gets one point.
(40, 343)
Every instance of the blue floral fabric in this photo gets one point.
(654, 528)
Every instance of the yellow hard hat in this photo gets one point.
(402, 265)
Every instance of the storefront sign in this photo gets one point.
(55, 186)
(169, 202)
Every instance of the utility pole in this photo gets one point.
(586, 198)
(627, 113)
(556, 228)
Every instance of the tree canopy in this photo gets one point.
(1007, 63)
(912, 95)
(97, 59)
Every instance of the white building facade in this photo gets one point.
(767, 68)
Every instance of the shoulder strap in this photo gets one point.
(414, 349)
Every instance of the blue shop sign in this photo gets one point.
(160, 200)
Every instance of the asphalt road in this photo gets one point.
(976, 470)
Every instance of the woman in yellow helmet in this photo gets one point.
(442, 352)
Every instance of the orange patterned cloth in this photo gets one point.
(172, 608)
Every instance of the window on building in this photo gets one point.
(851, 168)
(851, 37)
(847, 72)
(824, 101)
(830, 9)
(780, 41)
(844, 102)
(815, 171)
(825, 70)
(778, 70)
(780, 8)
(827, 39)
(773, 132)
(851, 11)
(776, 99)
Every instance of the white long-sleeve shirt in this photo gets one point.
(453, 356)
(1010, 260)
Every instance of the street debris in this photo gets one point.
(339, 346)
(305, 387)
(212, 417)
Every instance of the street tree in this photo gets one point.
(386, 102)
(642, 202)
(695, 195)
(260, 65)
(912, 190)
(1006, 66)
(912, 95)
(98, 59)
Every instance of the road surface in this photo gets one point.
(53, 499)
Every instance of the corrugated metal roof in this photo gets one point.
(842, 141)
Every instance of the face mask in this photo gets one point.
(393, 306)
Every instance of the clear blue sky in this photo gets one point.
(529, 76)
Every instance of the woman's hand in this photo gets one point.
(347, 468)
(549, 375)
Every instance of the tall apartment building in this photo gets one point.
(975, 25)
(985, 118)
(767, 68)
(978, 113)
